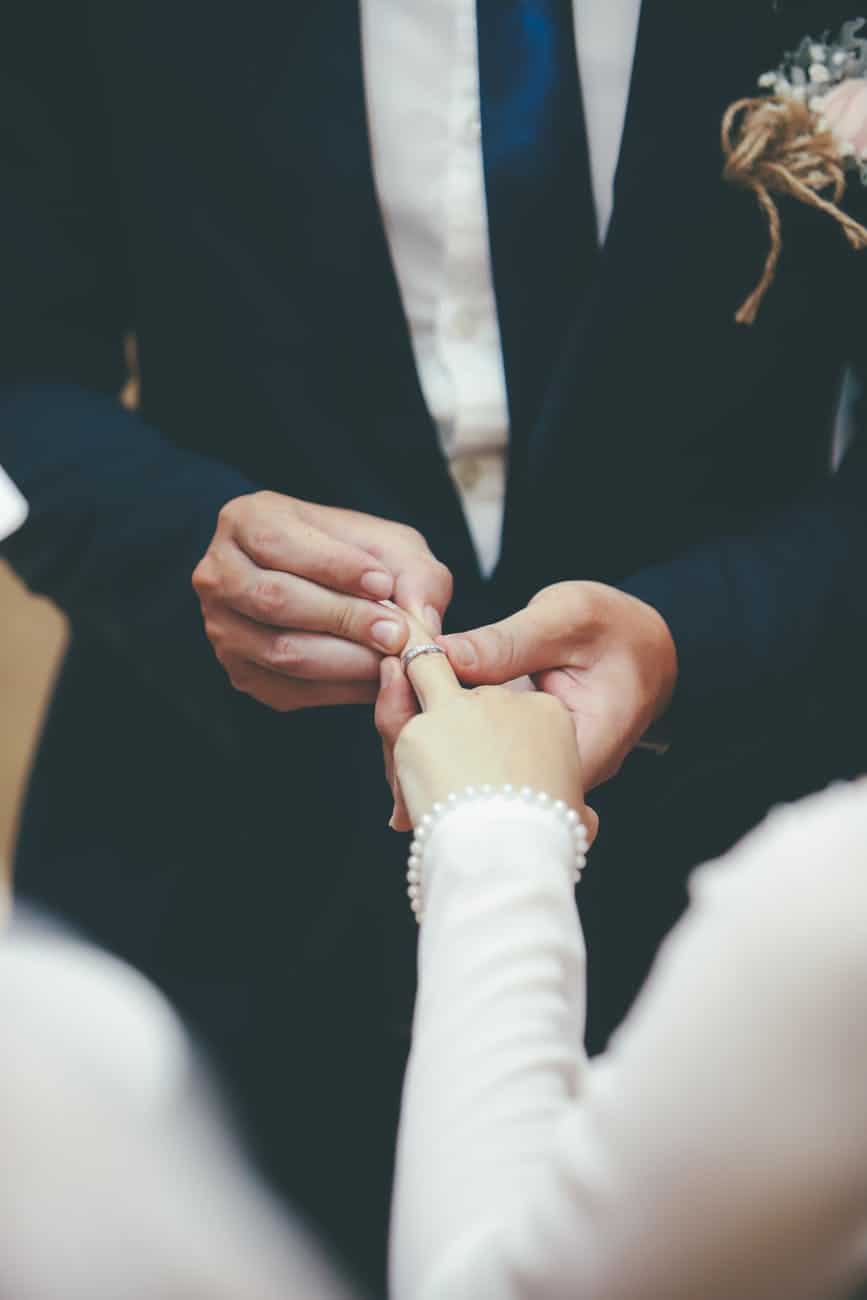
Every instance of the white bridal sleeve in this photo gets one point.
(718, 1150)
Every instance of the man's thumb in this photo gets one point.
(528, 642)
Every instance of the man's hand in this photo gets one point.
(608, 657)
(289, 594)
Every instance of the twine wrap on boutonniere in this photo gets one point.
(800, 139)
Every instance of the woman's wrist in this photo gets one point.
(500, 803)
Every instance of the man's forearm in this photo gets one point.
(760, 619)
(119, 517)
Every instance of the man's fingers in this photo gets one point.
(277, 536)
(599, 728)
(286, 696)
(308, 656)
(284, 601)
(422, 584)
(424, 587)
(526, 643)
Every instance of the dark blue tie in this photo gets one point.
(541, 215)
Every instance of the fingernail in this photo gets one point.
(432, 620)
(387, 635)
(376, 584)
(461, 652)
(392, 819)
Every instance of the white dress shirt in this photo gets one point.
(13, 507)
(717, 1149)
(422, 84)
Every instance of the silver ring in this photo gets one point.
(428, 649)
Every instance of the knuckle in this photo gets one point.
(204, 577)
(233, 511)
(412, 537)
(264, 498)
(444, 580)
(502, 642)
(263, 545)
(268, 597)
(285, 654)
(344, 619)
(214, 633)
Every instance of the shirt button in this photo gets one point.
(467, 470)
(464, 322)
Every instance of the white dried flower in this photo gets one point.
(767, 79)
(819, 73)
(818, 53)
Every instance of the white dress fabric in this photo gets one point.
(718, 1150)
(119, 1176)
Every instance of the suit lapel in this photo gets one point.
(668, 176)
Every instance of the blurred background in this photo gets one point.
(31, 641)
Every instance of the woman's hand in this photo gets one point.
(489, 736)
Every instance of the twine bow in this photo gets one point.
(772, 146)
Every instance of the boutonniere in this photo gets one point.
(800, 138)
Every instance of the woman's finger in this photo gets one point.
(395, 706)
(432, 676)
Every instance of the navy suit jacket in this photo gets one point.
(201, 175)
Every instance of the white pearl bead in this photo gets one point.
(470, 792)
(413, 891)
(427, 821)
(525, 793)
(438, 809)
(572, 817)
(487, 791)
(420, 834)
(414, 860)
(413, 876)
(542, 799)
(580, 862)
(508, 791)
(560, 808)
(415, 904)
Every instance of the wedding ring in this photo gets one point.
(428, 649)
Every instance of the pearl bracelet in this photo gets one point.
(472, 794)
